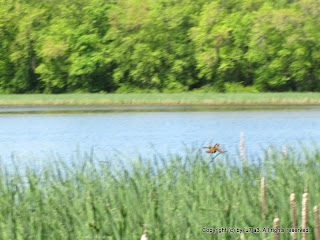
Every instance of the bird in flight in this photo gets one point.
(214, 149)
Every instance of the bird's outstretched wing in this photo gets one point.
(219, 150)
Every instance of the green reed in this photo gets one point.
(173, 196)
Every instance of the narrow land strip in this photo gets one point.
(86, 99)
(29, 109)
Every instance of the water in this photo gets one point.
(130, 133)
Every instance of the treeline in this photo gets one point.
(55, 46)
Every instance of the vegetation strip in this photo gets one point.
(175, 196)
(188, 98)
(149, 108)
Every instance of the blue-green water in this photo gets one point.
(34, 135)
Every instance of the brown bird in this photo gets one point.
(214, 149)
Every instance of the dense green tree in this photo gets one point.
(269, 51)
(90, 67)
(150, 43)
(7, 35)
(72, 49)
(283, 50)
(309, 42)
(165, 45)
(19, 28)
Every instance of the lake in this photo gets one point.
(130, 133)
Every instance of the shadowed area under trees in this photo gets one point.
(50, 46)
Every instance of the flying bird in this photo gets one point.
(214, 149)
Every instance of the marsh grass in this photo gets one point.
(162, 99)
(174, 196)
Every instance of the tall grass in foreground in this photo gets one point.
(172, 197)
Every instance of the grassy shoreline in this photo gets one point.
(86, 99)
(175, 197)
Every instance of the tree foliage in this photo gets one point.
(159, 46)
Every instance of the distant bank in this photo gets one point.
(162, 99)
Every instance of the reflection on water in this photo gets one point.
(130, 133)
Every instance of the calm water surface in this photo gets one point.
(131, 133)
